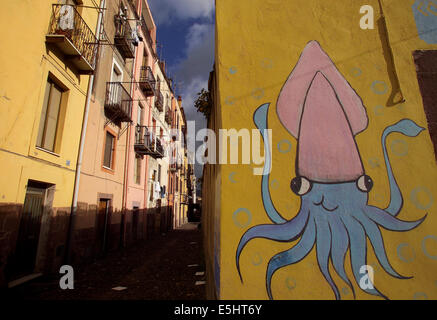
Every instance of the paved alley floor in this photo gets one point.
(162, 268)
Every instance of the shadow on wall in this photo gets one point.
(115, 230)
(396, 95)
(95, 234)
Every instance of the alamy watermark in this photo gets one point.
(231, 146)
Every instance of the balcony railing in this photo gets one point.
(146, 32)
(147, 81)
(146, 143)
(176, 165)
(123, 38)
(168, 116)
(159, 100)
(70, 33)
(118, 102)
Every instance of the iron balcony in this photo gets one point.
(146, 33)
(159, 101)
(147, 81)
(69, 32)
(123, 38)
(146, 143)
(175, 167)
(168, 116)
(118, 102)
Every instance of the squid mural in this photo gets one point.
(323, 112)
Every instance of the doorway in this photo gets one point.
(103, 223)
(135, 215)
(24, 259)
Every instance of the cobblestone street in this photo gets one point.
(162, 268)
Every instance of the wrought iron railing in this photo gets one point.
(146, 32)
(146, 142)
(159, 100)
(123, 37)
(168, 116)
(147, 75)
(67, 21)
(147, 81)
(118, 100)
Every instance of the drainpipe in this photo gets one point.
(128, 141)
(81, 146)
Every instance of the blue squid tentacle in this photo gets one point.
(260, 119)
(285, 232)
(358, 252)
(340, 244)
(375, 237)
(293, 255)
(390, 222)
(408, 128)
(323, 243)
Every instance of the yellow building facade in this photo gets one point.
(44, 83)
(347, 209)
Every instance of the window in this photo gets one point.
(48, 125)
(140, 115)
(158, 84)
(117, 73)
(159, 173)
(137, 170)
(108, 158)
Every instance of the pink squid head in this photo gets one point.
(320, 109)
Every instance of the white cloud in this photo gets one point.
(192, 72)
(165, 11)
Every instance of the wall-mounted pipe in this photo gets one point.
(81, 147)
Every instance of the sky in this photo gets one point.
(185, 36)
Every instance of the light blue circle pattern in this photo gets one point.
(401, 255)
(237, 213)
(231, 179)
(425, 251)
(420, 296)
(399, 147)
(274, 184)
(230, 100)
(356, 72)
(282, 142)
(257, 93)
(377, 90)
(290, 283)
(378, 110)
(417, 203)
(257, 259)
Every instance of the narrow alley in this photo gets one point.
(162, 268)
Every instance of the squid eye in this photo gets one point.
(300, 185)
(365, 183)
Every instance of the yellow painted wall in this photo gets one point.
(258, 44)
(26, 63)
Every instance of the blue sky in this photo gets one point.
(185, 35)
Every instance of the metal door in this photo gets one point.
(28, 233)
